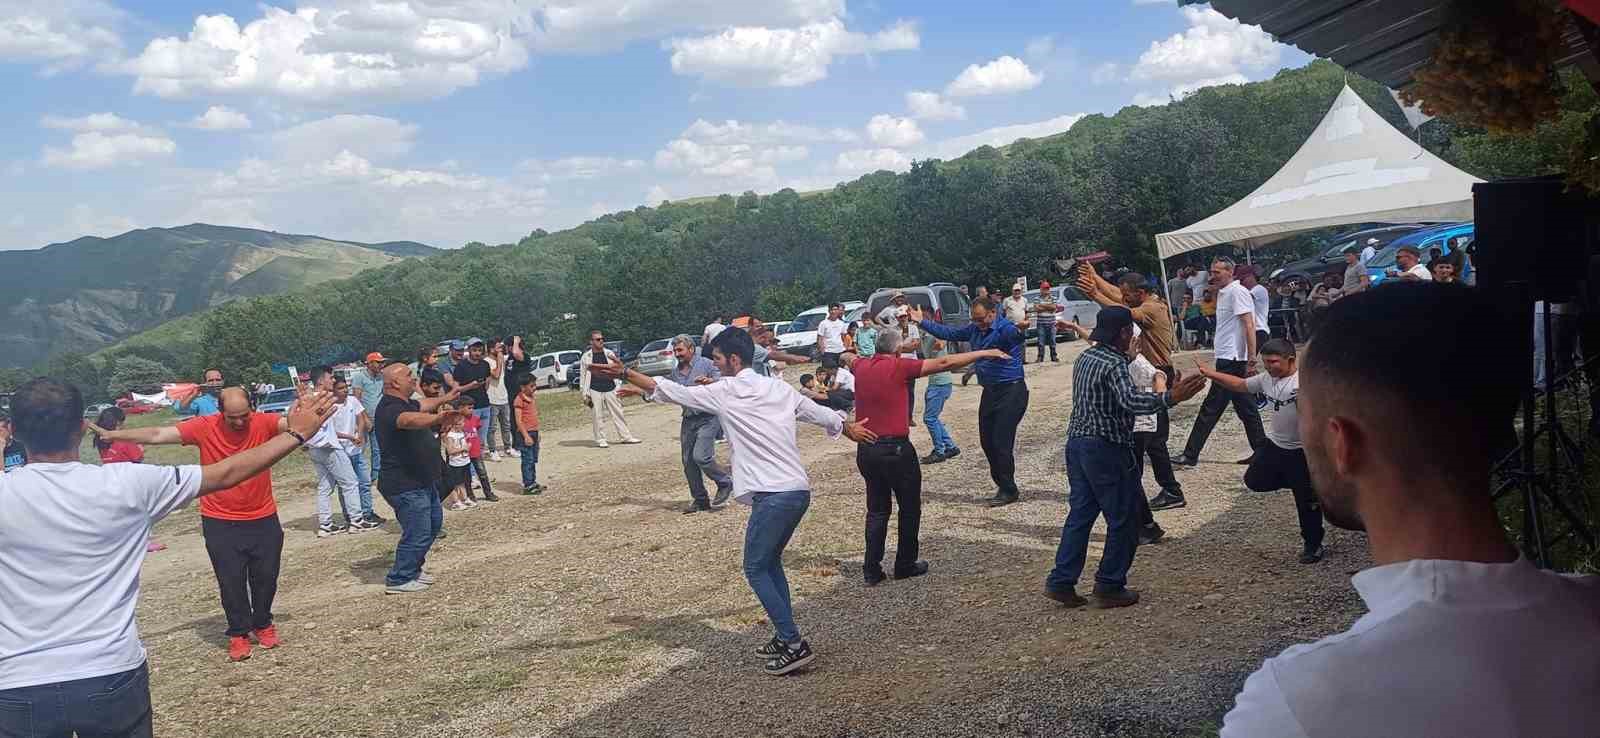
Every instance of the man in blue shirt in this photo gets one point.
(1005, 394)
(204, 401)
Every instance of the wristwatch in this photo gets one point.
(297, 436)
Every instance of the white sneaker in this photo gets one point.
(415, 585)
(632, 441)
(602, 443)
(494, 455)
(513, 453)
(458, 506)
(426, 578)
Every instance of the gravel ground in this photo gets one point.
(598, 610)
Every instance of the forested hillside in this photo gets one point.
(1109, 182)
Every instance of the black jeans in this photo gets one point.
(1217, 399)
(110, 706)
(1155, 446)
(891, 468)
(245, 554)
(999, 413)
(1274, 468)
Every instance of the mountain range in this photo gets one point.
(90, 292)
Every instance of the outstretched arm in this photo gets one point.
(940, 330)
(786, 357)
(159, 436)
(956, 361)
(304, 418)
(1097, 288)
(1228, 381)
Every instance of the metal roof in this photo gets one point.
(1382, 40)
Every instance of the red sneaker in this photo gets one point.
(238, 648)
(268, 637)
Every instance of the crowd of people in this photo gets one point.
(1357, 448)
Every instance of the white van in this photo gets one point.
(801, 338)
(550, 370)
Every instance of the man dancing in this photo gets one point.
(1005, 394)
(758, 414)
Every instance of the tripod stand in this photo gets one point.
(1539, 487)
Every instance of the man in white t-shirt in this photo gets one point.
(1198, 281)
(351, 425)
(830, 336)
(1260, 299)
(1462, 637)
(72, 541)
(1409, 259)
(1281, 462)
(1235, 352)
(716, 326)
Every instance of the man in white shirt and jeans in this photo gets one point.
(759, 413)
(830, 337)
(72, 541)
(1462, 637)
(1235, 352)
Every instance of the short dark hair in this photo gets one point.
(736, 342)
(833, 305)
(1371, 347)
(431, 376)
(208, 371)
(425, 353)
(47, 415)
(319, 371)
(806, 379)
(339, 379)
(525, 379)
(1133, 281)
(1278, 347)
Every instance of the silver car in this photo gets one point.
(656, 359)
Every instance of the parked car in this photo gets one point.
(277, 401)
(656, 359)
(550, 370)
(1312, 268)
(93, 411)
(802, 335)
(941, 302)
(1445, 237)
(628, 352)
(780, 327)
(1075, 307)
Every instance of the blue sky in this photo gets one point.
(448, 121)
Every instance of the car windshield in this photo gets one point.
(657, 345)
(570, 357)
(1339, 249)
(807, 322)
(283, 395)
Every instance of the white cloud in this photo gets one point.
(97, 150)
(1106, 73)
(1002, 76)
(656, 194)
(102, 122)
(1150, 99)
(1213, 46)
(83, 220)
(404, 49)
(59, 33)
(933, 106)
(580, 167)
(1040, 48)
(733, 131)
(368, 136)
(758, 56)
(739, 162)
(1002, 135)
(1183, 90)
(601, 25)
(220, 118)
(863, 161)
(895, 133)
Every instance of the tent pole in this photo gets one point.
(1163, 290)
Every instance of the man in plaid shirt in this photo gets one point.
(1102, 474)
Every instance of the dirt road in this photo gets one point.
(598, 610)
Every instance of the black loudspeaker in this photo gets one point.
(1533, 231)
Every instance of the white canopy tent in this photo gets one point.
(1355, 168)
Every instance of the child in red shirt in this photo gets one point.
(475, 451)
(121, 452)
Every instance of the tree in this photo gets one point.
(136, 374)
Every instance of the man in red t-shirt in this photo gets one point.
(240, 525)
(890, 464)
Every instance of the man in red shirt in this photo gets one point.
(889, 464)
(240, 524)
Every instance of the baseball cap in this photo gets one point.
(1412, 249)
(1110, 321)
(457, 345)
(474, 341)
(375, 356)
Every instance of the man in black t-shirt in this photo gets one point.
(409, 477)
(600, 391)
(472, 376)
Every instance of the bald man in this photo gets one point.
(409, 479)
(240, 524)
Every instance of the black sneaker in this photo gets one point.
(1166, 501)
(933, 458)
(873, 577)
(723, 493)
(375, 518)
(1151, 533)
(772, 648)
(952, 453)
(1001, 500)
(917, 569)
(1069, 597)
(1185, 460)
(790, 660)
(329, 529)
(489, 496)
(1107, 599)
(1311, 555)
(695, 507)
(363, 525)
(533, 489)
(965, 378)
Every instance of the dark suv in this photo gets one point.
(1312, 268)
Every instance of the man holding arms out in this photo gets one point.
(759, 413)
(1005, 394)
(72, 541)
(1235, 352)
(600, 391)
(697, 434)
(410, 482)
(830, 337)
(1463, 636)
(889, 464)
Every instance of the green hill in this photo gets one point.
(90, 292)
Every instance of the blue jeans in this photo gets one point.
(420, 518)
(530, 461)
(773, 518)
(483, 425)
(1047, 337)
(358, 461)
(1103, 481)
(377, 454)
(932, 407)
(111, 705)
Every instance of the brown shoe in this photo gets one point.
(1070, 597)
(1117, 598)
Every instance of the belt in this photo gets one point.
(891, 440)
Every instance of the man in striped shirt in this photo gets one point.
(1101, 473)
